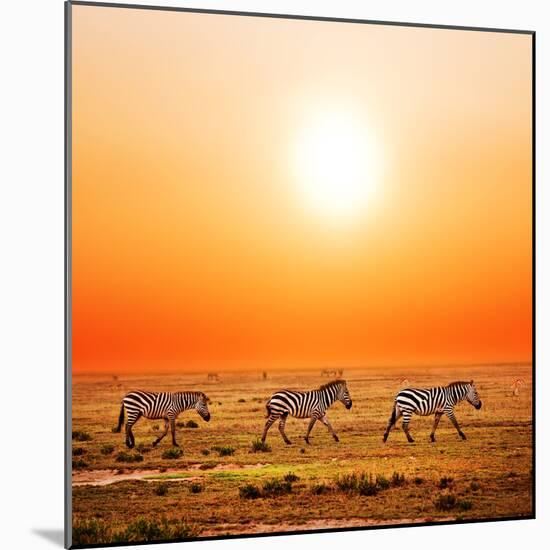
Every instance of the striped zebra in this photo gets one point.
(306, 404)
(154, 405)
(438, 401)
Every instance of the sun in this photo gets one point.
(336, 163)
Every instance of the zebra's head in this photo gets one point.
(201, 407)
(472, 396)
(343, 394)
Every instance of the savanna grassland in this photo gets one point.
(224, 482)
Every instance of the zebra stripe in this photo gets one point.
(306, 404)
(437, 401)
(157, 405)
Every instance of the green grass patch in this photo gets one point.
(172, 453)
(128, 457)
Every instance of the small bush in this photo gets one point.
(161, 489)
(195, 488)
(445, 502)
(241, 400)
(464, 505)
(127, 457)
(79, 451)
(276, 487)
(249, 492)
(320, 488)
(347, 482)
(172, 453)
(81, 436)
(107, 449)
(155, 427)
(382, 482)
(418, 481)
(90, 531)
(302, 451)
(224, 450)
(291, 477)
(78, 463)
(191, 424)
(367, 486)
(148, 530)
(259, 447)
(475, 486)
(397, 479)
(208, 465)
(205, 452)
(445, 482)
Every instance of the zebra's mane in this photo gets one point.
(459, 383)
(332, 384)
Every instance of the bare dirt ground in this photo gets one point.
(143, 494)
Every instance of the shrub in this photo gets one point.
(191, 424)
(205, 452)
(78, 463)
(127, 457)
(276, 487)
(347, 482)
(195, 488)
(172, 453)
(445, 482)
(155, 427)
(319, 488)
(475, 486)
(382, 482)
(161, 489)
(291, 477)
(445, 502)
(249, 491)
(397, 479)
(464, 505)
(91, 531)
(146, 530)
(259, 447)
(79, 451)
(208, 465)
(367, 486)
(241, 400)
(418, 481)
(302, 451)
(224, 450)
(81, 436)
(107, 449)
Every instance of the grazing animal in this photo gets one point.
(438, 401)
(516, 385)
(163, 405)
(306, 404)
(213, 376)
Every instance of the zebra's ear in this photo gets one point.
(471, 382)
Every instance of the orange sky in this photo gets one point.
(194, 246)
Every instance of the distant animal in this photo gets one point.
(438, 401)
(213, 376)
(340, 372)
(306, 404)
(516, 385)
(163, 405)
(264, 375)
(330, 372)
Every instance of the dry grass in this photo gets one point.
(490, 472)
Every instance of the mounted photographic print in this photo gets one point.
(299, 274)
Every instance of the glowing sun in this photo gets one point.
(336, 165)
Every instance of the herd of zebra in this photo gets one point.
(312, 404)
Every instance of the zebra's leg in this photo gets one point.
(268, 425)
(309, 428)
(173, 430)
(163, 434)
(451, 414)
(325, 421)
(282, 428)
(395, 414)
(130, 439)
(406, 420)
(438, 416)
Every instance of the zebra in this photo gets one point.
(306, 404)
(154, 405)
(437, 401)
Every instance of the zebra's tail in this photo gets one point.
(120, 419)
(393, 414)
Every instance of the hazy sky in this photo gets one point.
(221, 217)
